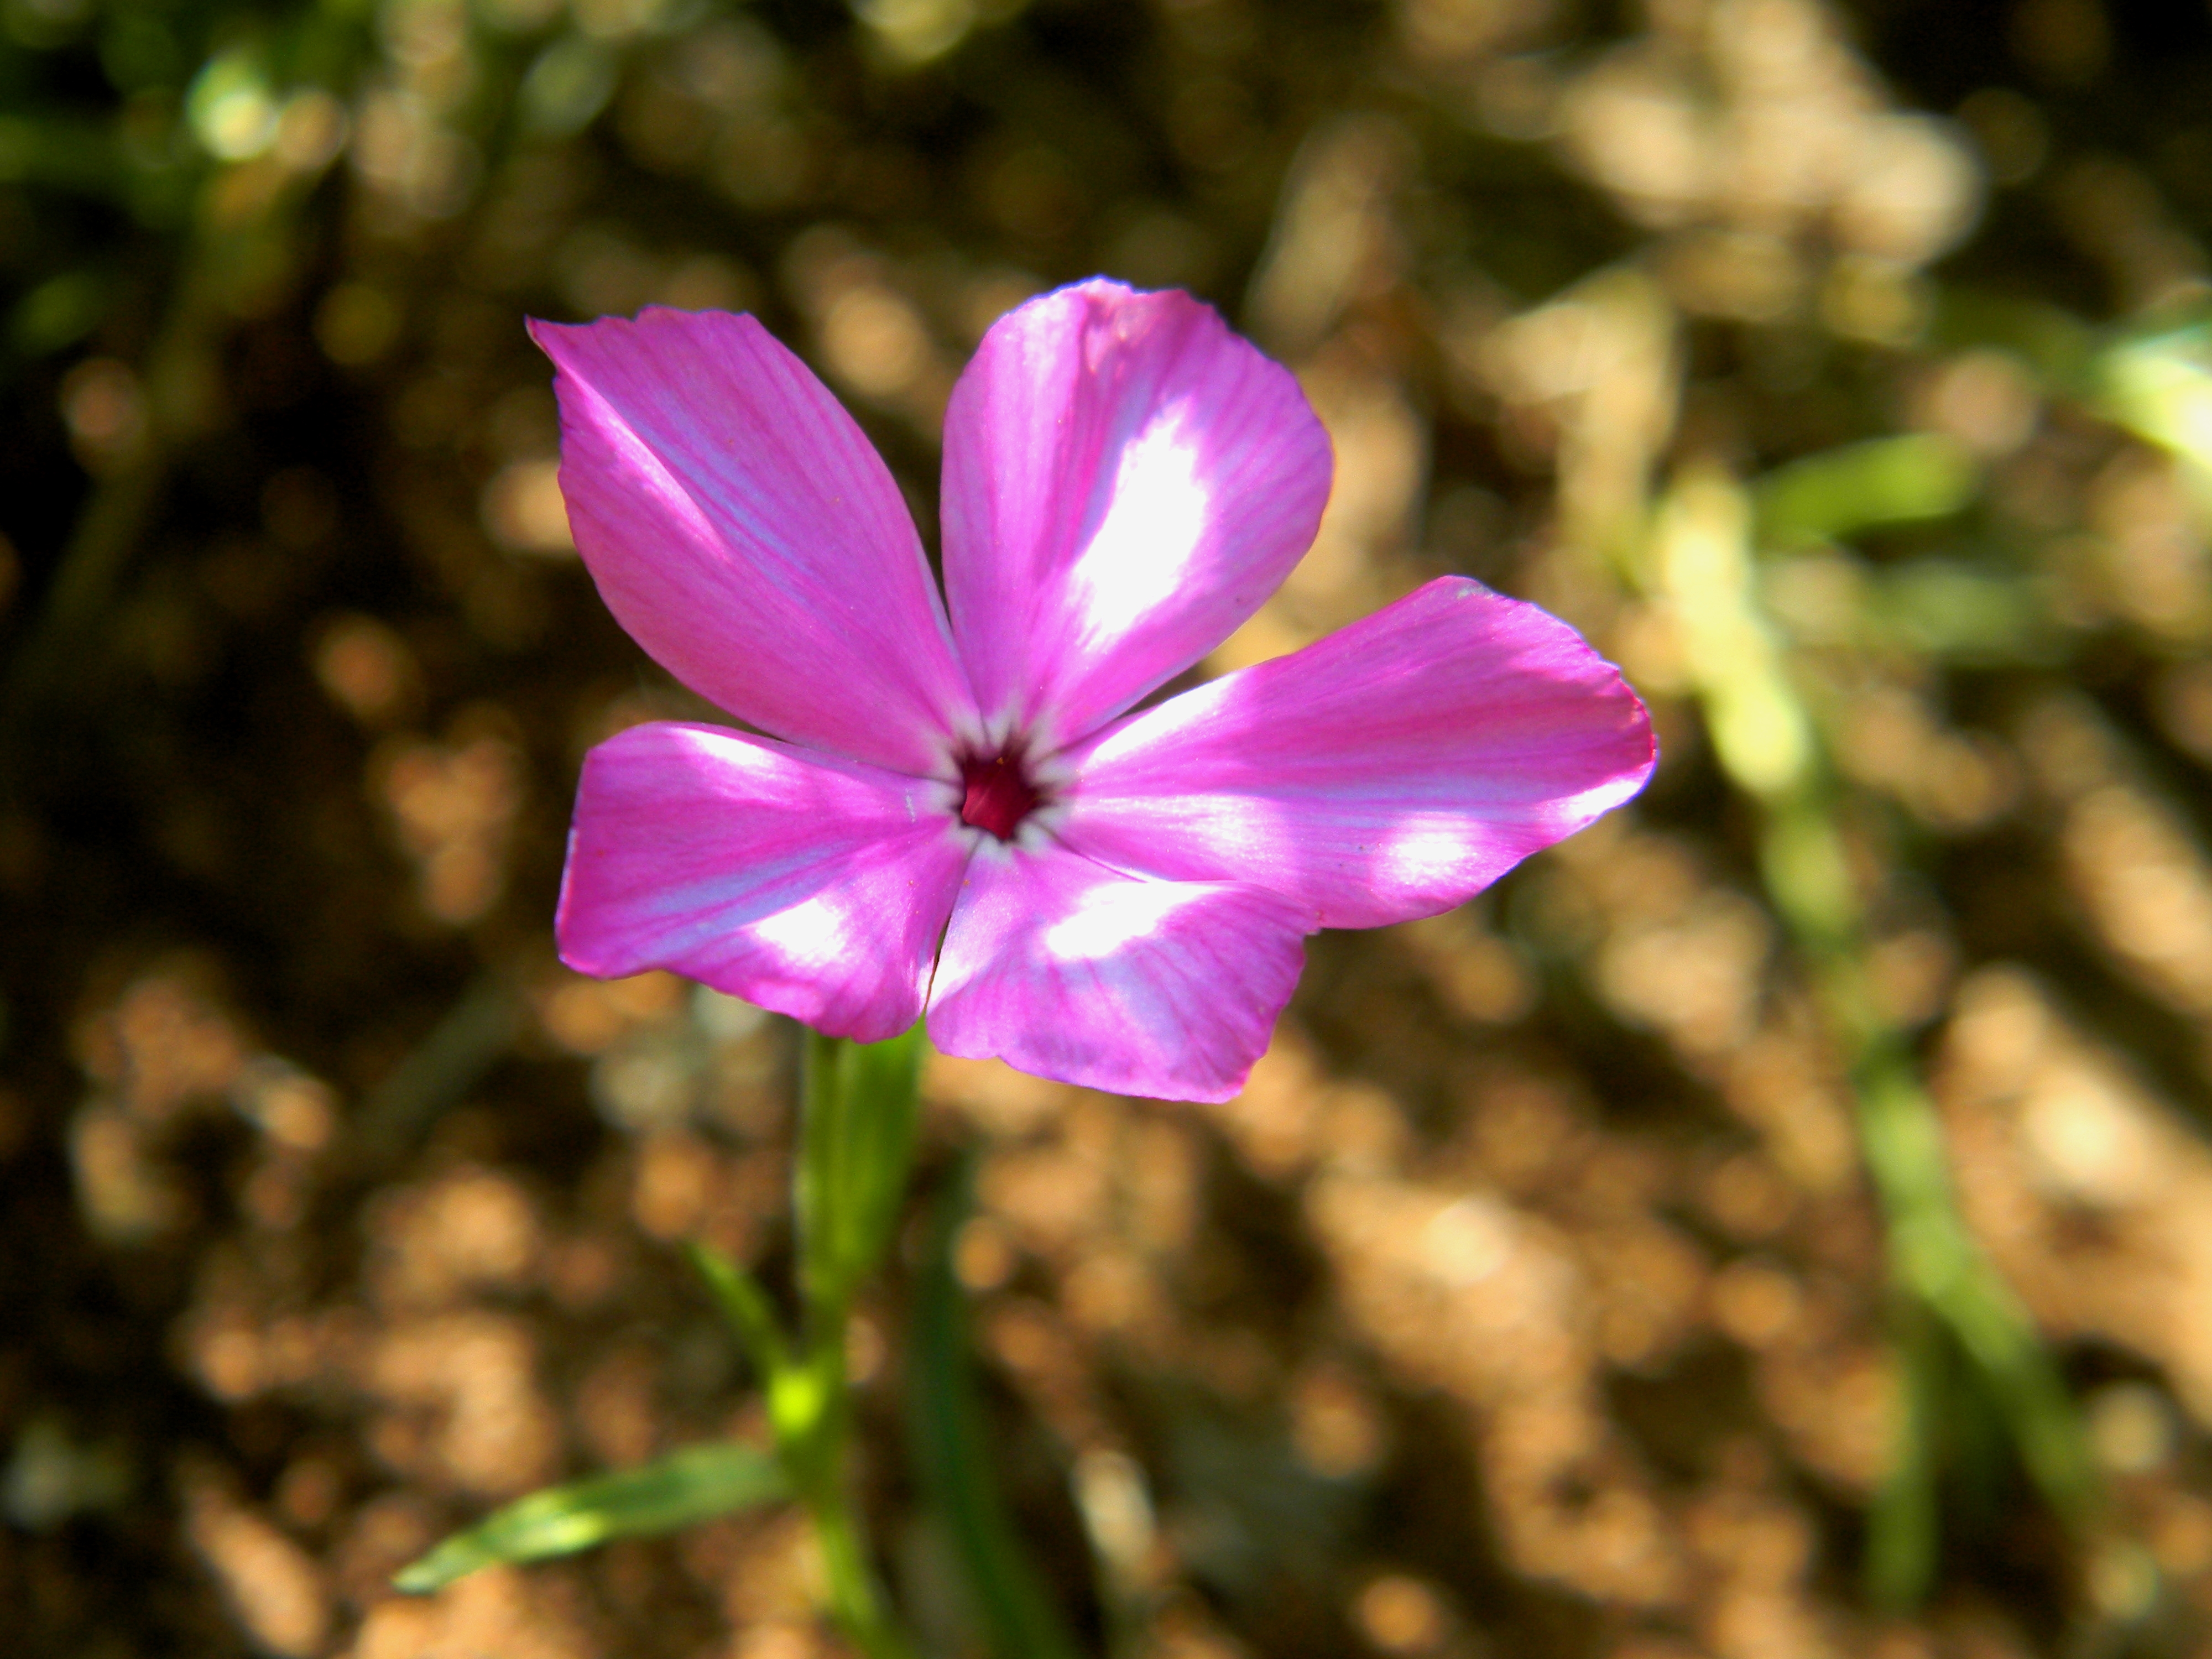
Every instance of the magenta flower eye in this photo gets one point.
(954, 813)
(997, 792)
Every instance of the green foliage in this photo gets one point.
(952, 1455)
(2157, 381)
(747, 1306)
(1948, 609)
(856, 1143)
(1971, 611)
(680, 1490)
(1841, 493)
(59, 312)
(1948, 1297)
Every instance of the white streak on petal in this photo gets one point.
(1149, 545)
(1108, 918)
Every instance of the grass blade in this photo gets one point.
(1019, 1619)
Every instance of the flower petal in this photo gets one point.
(812, 885)
(745, 531)
(1070, 970)
(1392, 770)
(1125, 482)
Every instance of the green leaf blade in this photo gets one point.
(1843, 492)
(697, 1484)
(1019, 1618)
(745, 1306)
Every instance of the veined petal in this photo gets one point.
(1070, 970)
(1391, 771)
(810, 885)
(745, 531)
(1125, 482)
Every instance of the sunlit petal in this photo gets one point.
(745, 531)
(811, 885)
(1392, 770)
(1125, 482)
(1070, 970)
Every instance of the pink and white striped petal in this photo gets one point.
(1069, 970)
(743, 530)
(810, 885)
(1392, 770)
(1125, 482)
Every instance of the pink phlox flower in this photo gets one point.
(950, 809)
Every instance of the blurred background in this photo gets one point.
(1777, 1223)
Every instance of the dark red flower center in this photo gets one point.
(999, 793)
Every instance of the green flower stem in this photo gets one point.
(855, 1143)
(812, 1415)
(853, 1598)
